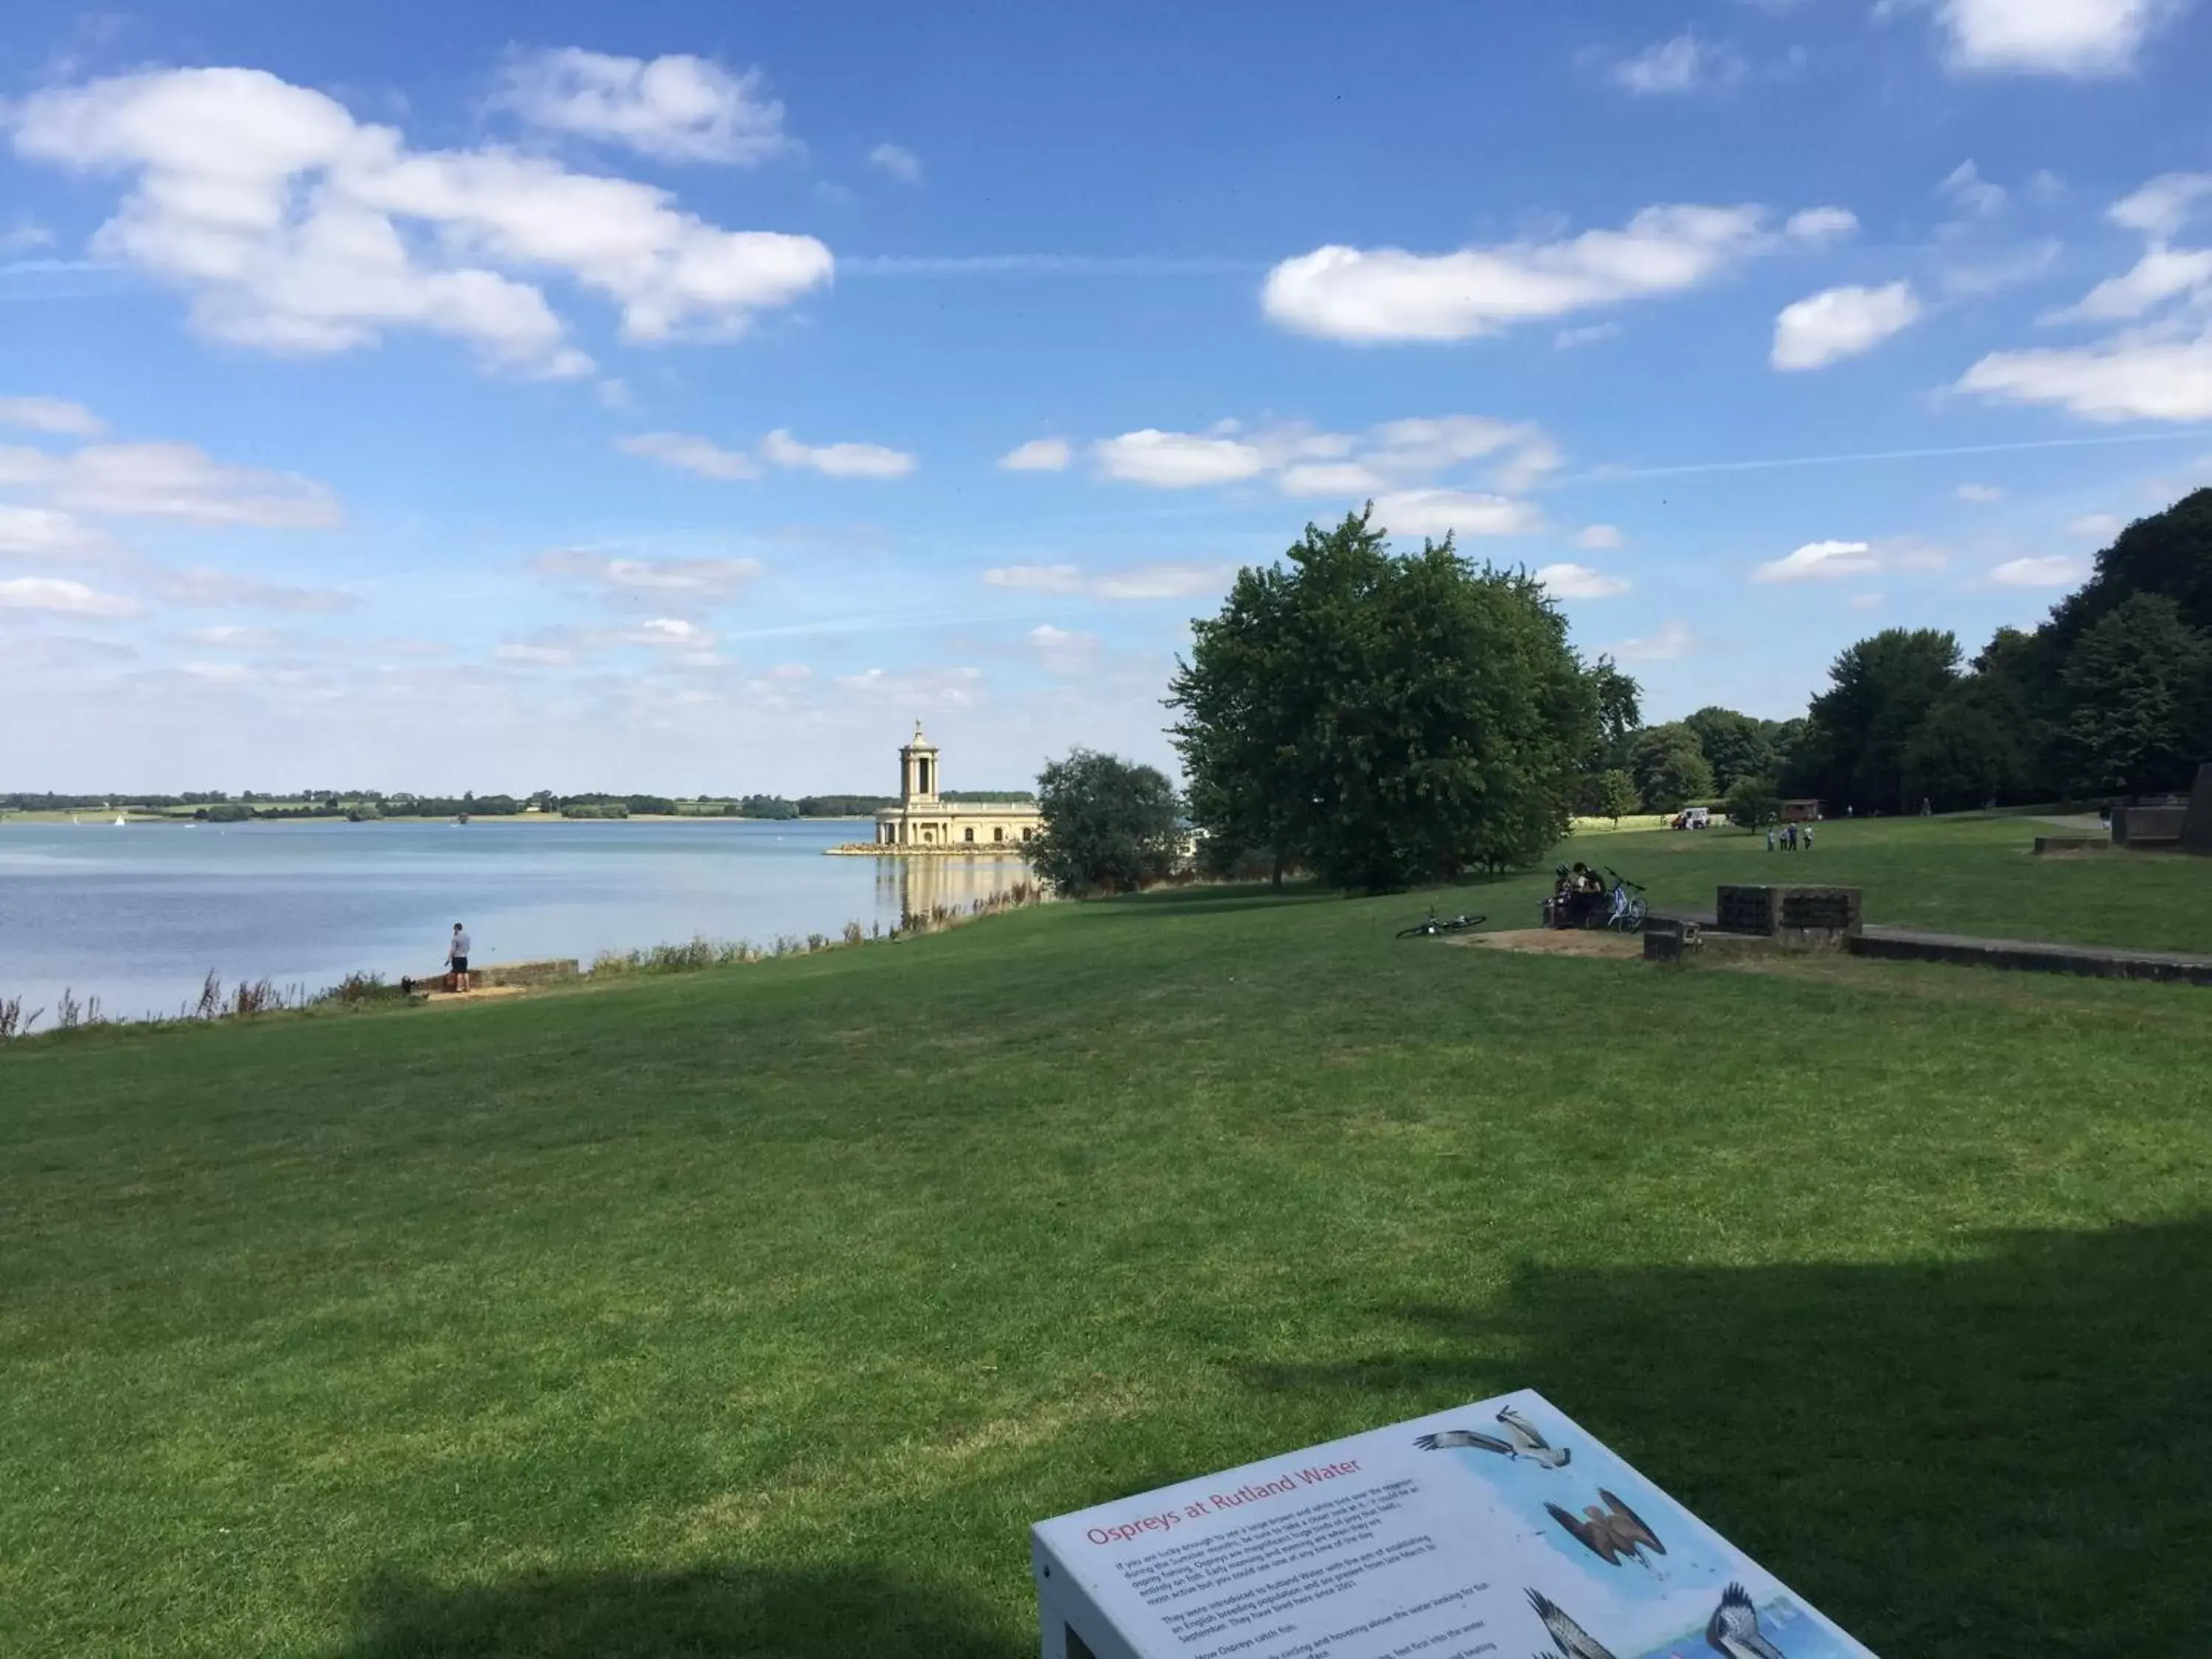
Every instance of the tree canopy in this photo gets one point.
(1389, 718)
(1109, 824)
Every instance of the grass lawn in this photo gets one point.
(759, 1311)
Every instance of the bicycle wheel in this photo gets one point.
(1464, 924)
(1633, 914)
(1423, 931)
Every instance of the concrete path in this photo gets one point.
(2034, 955)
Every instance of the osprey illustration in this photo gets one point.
(1571, 1638)
(1521, 1439)
(1614, 1534)
(1733, 1628)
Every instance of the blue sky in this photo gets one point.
(689, 398)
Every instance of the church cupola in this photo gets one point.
(918, 771)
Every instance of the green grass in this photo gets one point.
(759, 1311)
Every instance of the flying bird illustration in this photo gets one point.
(1733, 1628)
(1571, 1638)
(1613, 1533)
(1528, 1441)
(1521, 1439)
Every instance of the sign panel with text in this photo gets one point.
(1499, 1527)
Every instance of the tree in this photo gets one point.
(1669, 766)
(1754, 803)
(1736, 746)
(1108, 824)
(2169, 553)
(1977, 744)
(1879, 690)
(2139, 679)
(1616, 794)
(1386, 718)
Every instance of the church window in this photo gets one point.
(968, 835)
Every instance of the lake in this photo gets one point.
(137, 916)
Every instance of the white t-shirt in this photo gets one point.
(461, 945)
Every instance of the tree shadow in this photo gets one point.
(2006, 1453)
(726, 1611)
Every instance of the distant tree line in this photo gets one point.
(2111, 695)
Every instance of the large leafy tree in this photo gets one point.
(1108, 824)
(1386, 718)
(1669, 766)
(1879, 690)
(1736, 746)
(2139, 679)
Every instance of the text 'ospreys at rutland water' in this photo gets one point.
(1170, 1519)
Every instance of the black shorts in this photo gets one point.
(460, 965)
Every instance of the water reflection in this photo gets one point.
(918, 886)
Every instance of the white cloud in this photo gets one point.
(1863, 601)
(2097, 526)
(614, 393)
(895, 161)
(667, 633)
(1177, 461)
(42, 532)
(835, 460)
(2160, 275)
(1979, 494)
(1821, 224)
(2137, 376)
(1839, 323)
(1310, 480)
(1064, 650)
(2084, 38)
(536, 656)
(1037, 455)
(1821, 561)
(1683, 64)
(1599, 539)
(689, 454)
(699, 579)
(219, 673)
(66, 597)
(1579, 582)
(2164, 205)
(678, 108)
(1671, 643)
(955, 687)
(2000, 271)
(1568, 338)
(295, 229)
(1435, 512)
(50, 415)
(2055, 572)
(1390, 293)
(1967, 191)
(231, 634)
(214, 590)
(169, 481)
(1136, 582)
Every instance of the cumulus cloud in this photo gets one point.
(1683, 64)
(835, 460)
(896, 161)
(678, 108)
(1134, 582)
(1390, 293)
(1579, 582)
(1599, 539)
(2057, 571)
(71, 598)
(297, 228)
(688, 453)
(2163, 206)
(1439, 512)
(1038, 455)
(42, 532)
(1177, 461)
(1821, 561)
(2143, 376)
(956, 687)
(50, 415)
(2081, 37)
(169, 481)
(1671, 643)
(223, 589)
(1841, 322)
(666, 634)
(619, 577)
(2162, 274)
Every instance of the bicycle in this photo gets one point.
(1433, 928)
(1626, 908)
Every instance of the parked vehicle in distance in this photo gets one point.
(1692, 817)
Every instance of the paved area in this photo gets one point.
(2034, 955)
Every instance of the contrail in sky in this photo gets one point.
(1627, 474)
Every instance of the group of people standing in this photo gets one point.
(1792, 838)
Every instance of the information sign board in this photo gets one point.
(1500, 1527)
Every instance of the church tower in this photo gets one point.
(918, 772)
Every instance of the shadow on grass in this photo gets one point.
(2005, 1454)
(713, 1613)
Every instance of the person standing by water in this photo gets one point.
(457, 958)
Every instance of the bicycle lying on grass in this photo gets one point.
(1433, 928)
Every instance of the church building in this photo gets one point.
(921, 821)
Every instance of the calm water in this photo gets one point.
(137, 916)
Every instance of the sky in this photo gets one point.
(691, 397)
